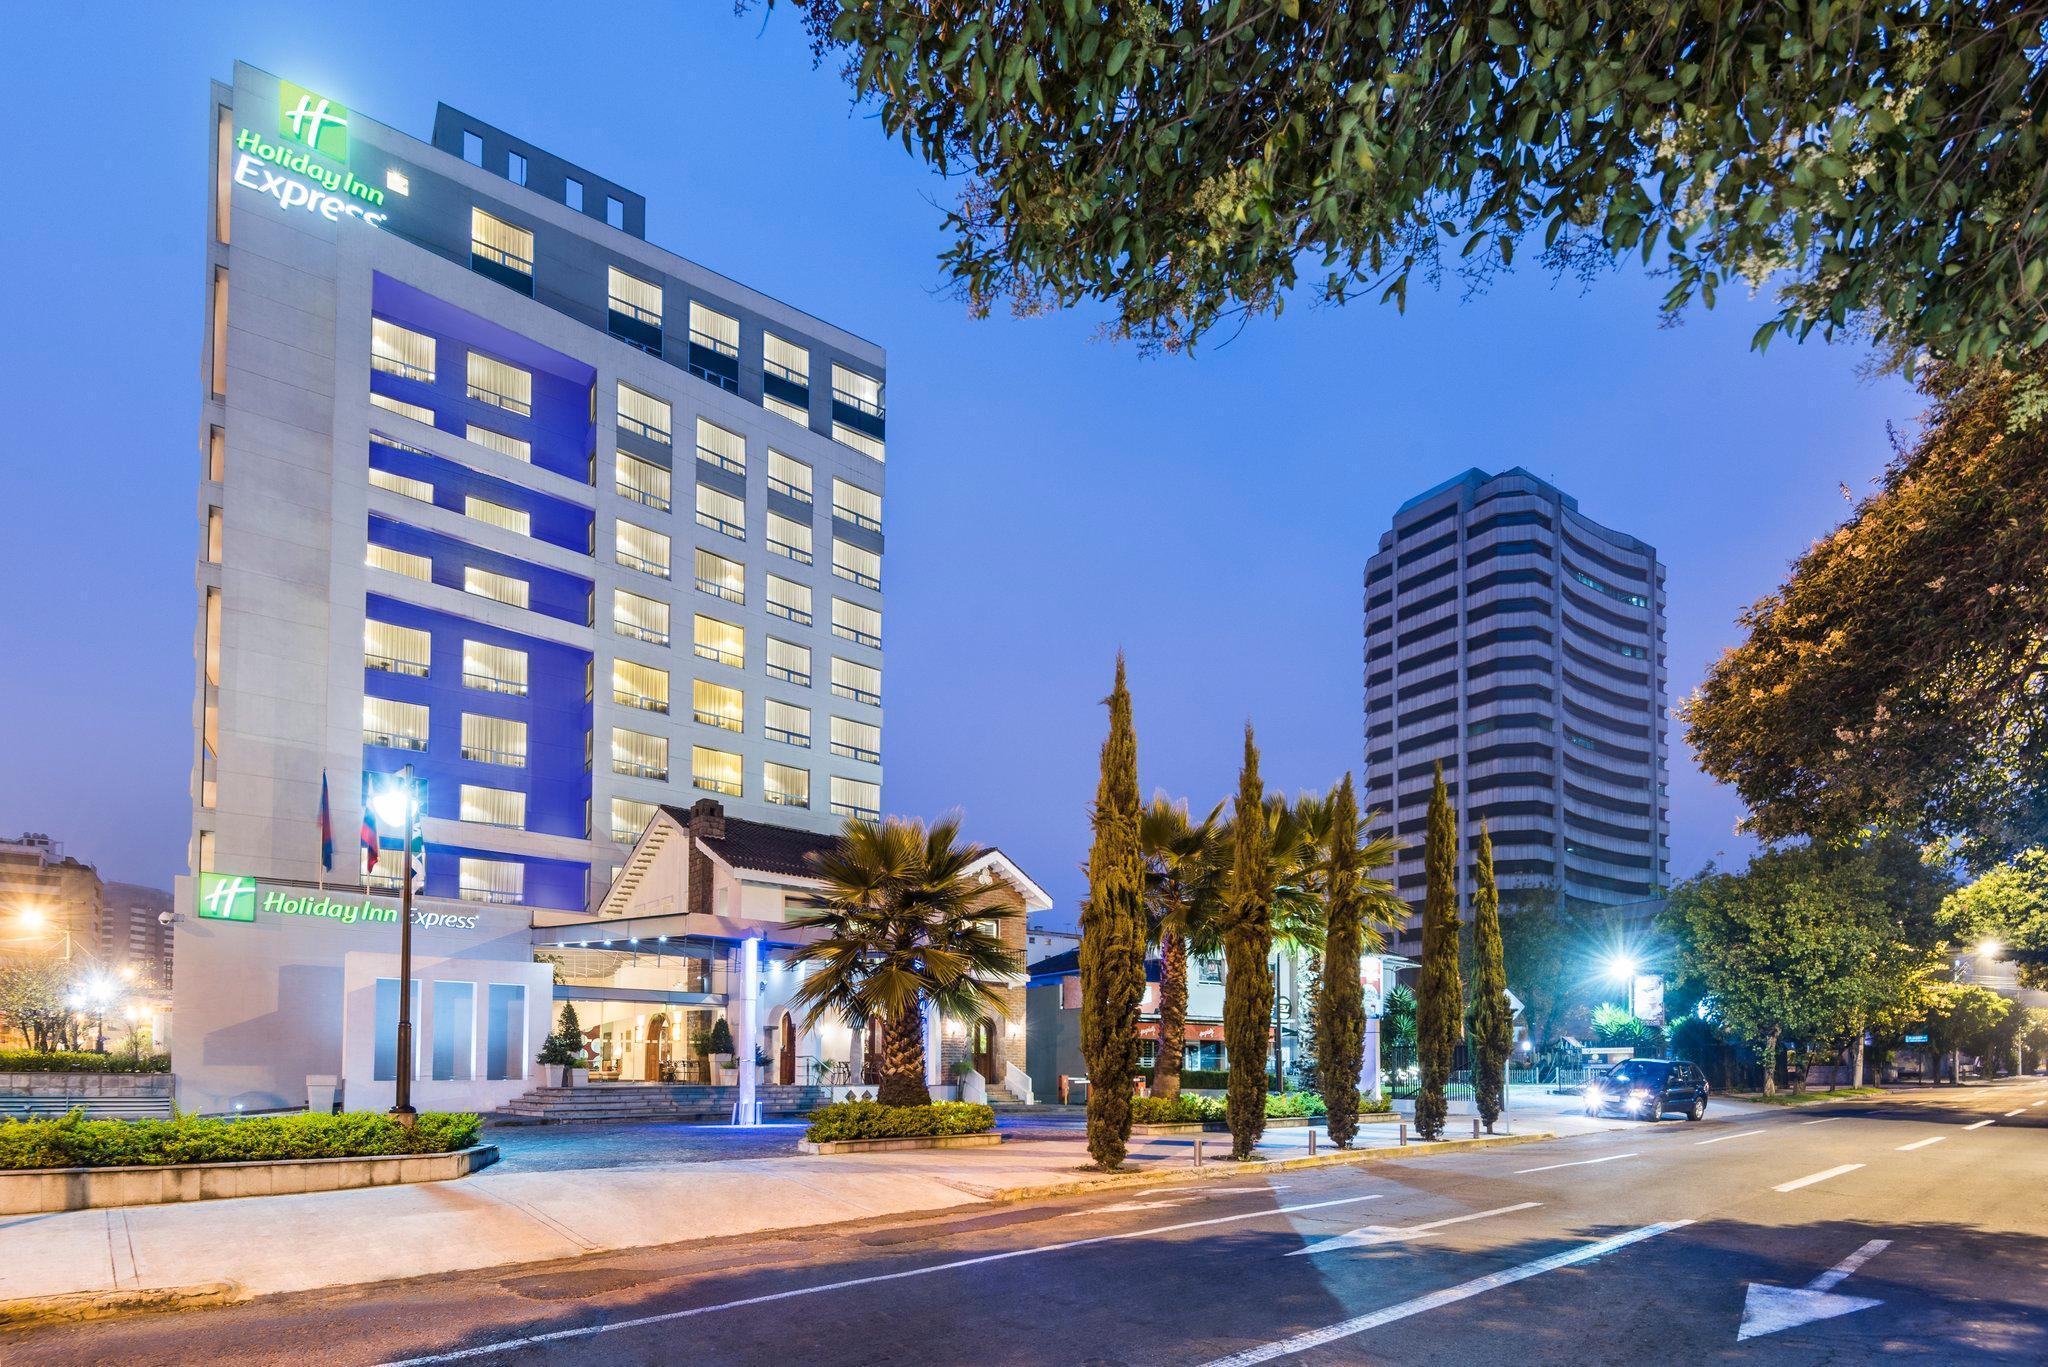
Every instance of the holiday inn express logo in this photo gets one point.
(226, 897)
(312, 119)
(238, 897)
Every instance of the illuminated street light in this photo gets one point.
(1622, 967)
(1989, 949)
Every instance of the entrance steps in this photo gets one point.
(630, 1101)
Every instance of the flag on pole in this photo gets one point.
(326, 827)
(417, 805)
(369, 835)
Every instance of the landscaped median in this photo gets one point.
(1186, 1114)
(867, 1126)
(78, 1164)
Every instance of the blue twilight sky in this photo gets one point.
(1051, 498)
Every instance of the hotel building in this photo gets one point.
(1518, 644)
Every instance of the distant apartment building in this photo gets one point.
(49, 903)
(1519, 645)
(135, 934)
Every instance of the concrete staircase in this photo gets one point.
(1000, 1096)
(644, 1101)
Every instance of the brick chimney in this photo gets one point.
(707, 821)
(707, 818)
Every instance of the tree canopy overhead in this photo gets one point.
(1185, 161)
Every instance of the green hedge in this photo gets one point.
(1207, 1080)
(1184, 1109)
(75, 1142)
(873, 1120)
(36, 1061)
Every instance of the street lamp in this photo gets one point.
(96, 994)
(1989, 949)
(395, 803)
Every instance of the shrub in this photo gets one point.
(1369, 1104)
(873, 1120)
(38, 1061)
(75, 1142)
(1183, 1109)
(1294, 1104)
(1205, 1079)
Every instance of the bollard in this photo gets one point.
(1198, 1152)
(1475, 1127)
(1311, 1141)
(1404, 1133)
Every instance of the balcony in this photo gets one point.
(780, 382)
(491, 683)
(714, 361)
(719, 461)
(854, 576)
(721, 720)
(471, 892)
(392, 664)
(788, 490)
(508, 269)
(635, 326)
(643, 701)
(639, 427)
(394, 740)
(856, 635)
(861, 520)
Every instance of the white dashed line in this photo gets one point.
(2017, 1110)
(1724, 1138)
(1553, 1167)
(1811, 1178)
(1824, 1120)
(1982, 1123)
(1921, 1143)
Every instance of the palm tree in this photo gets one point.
(906, 922)
(1184, 862)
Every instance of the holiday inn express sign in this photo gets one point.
(289, 165)
(238, 897)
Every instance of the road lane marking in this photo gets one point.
(2017, 1110)
(1921, 1143)
(1553, 1167)
(1811, 1178)
(1316, 1338)
(1767, 1309)
(1724, 1138)
(1387, 1234)
(1824, 1120)
(592, 1330)
(1982, 1123)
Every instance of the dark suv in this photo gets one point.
(1648, 1089)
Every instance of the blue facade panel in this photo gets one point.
(551, 520)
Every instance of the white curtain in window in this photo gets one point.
(487, 584)
(497, 514)
(788, 722)
(493, 806)
(493, 740)
(786, 786)
(500, 383)
(786, 359)
(855, 622)
(721, 641)
(853, 797)
(858, 681)
(500, 669)
(400, 725)
(401, 351)
(718, 705)
(726, 578)
(402, 650)
(639, 755)
(793, 476)
(499, 442)
(787, 535)
(645, 618)
(401, 484)
(640, 685)
(856, 563)
(790, 595)
(644, 414)
(727, 450)
(716, 770)
(789, 657)
(642, 549)
(862, 507)
(630, 294)
(398, 562)
(496, 240)
(721, 511)
(709, 327)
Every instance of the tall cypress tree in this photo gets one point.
(1439, 995)
(1493, 1019)
(1340, 1006)
(1113, 938)
(1247, 943)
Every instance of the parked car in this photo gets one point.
(1648, 1089)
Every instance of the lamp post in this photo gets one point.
(395, 804)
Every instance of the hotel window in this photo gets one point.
(791, 478)
(856, 563)
(213, 523)
(223, 177)
(644, 415)
(785, 786)
(206, 839)
(789, 599)
(785, 409)
(397, 181)
(499, 442)
(217, 350)
(858, 440)
(785, 360)
(720, 641)
(856, 623)
(789, 723)
(502, 587)
(394, 725)
(213, 636)
(396, 649)
(401, 484)
(399, 562)
(789, 662)
(500, 384)
(714, 330)
(640, 549)
(630, 818)
(860, 683)
(497, 514)
(494, 806)
(634, 297)
(416, 411)
(861, 507)
(454, 1031)
(721, 578)
(498, 243)
(494, 740)
(855, 798)
(400, 351)
(788, 537)
(856, 740)
(572, 193)
(515, 168)
(721, 512)
(494, 669)
(643, 619)
(716, 446)
(216, 454)
(641, 686)
(491, 880)
(715, 771)
(642, 481)
(862, 393)
(507, 1045)
(639, 755)
(716, 705)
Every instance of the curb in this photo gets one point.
(40, 1311)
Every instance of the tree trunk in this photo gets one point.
(903, 1060)
(1173, 1015)
(1771, 1064)
(1856, 1061)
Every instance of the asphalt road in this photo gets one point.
(1910, 1228)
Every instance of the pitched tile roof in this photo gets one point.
(762, 847)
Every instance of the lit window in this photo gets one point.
(396, 649)
(720, 641)
(494, 740)
(397, 181)
(500, 384)
(789, 723)
(401, 484)
(641, 549)
(639, 755)
(499, 442)
(789, 599)
(857, 682)
(642, 481)
(416, 411)
(216, 454)
(717, 331)
(498, 242)
(856, 740)
(789, 662)
(721, 578)
(497, 514)
(500, 881)
(630, 818)
(858, 440)
(394, 725)
(785, 360)
(721, 512)
(783, 408)
(401, 351)
(643, 619)
(717, 705)
(715, 771)
(502, 587)
(785, 786)
(634, 297)
(493, 806)
(855, 798)
(213, 532)
(399, 562)
(638, 685)
(644, 415)
(788, 537)
(853, 622)
(861, 507)
(789, 477)
(716, 446)
(494, 669)
(856, 563)
(862, 393)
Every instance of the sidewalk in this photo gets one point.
(81, 1263)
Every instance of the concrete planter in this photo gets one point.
(37, 1191)
(87, 1084)
(936, 1141)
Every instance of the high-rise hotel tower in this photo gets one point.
(1519, 644)
(492, 487)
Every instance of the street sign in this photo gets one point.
(1916, 1039)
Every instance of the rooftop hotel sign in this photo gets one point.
(238, 897)
(293, 165)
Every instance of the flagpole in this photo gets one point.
(401, 1107)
